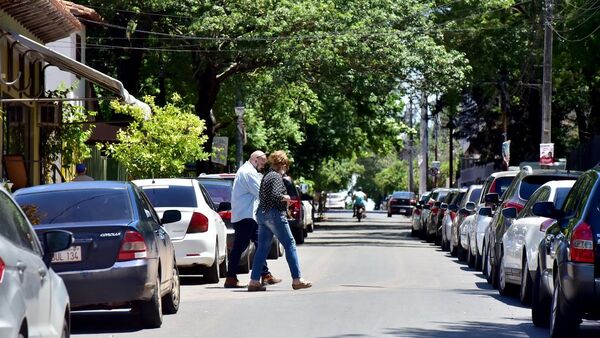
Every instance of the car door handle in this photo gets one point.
(43, 273)
(21, 267)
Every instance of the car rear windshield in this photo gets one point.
(424, 198)
(475, 194)
(291, 189)
(530, 183)
(501, 184)
(403, 195)
(76, 206)
(171, 196)
(219, 190)
(442, 195)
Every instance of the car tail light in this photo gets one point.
(225, 215)
(517, 206)
(582, 244)
(546, 224)
(434, 210)
(417, 212)
(198, 223)
(430, 203)
(412, 202)
(294, 207)
(452, 215)
(133, 247)
(393, 201)
(2, 268)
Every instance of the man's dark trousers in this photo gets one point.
(246, 230)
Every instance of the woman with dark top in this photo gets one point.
(272, 220)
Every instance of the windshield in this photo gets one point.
(501, 184)
(560, 196)
(475, 194)
(403, 195)
(171, 196)
(219, 190)
(529, 184)
(75, 206)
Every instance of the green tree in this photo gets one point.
(159, 145)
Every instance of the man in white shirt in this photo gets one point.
(244, 202)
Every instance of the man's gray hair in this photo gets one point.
(257, 154)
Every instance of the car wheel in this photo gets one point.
(298, 234)
(504, 287)
(66, 330)
(23, 331)
(211, 274)
(460, 251)
(171, 300)
(223, 266)
(525, 289)
(151, 310)
(490, 272)
(389, 215)
(478, 266)
(470, 258)
(413, 232)
(540, 305)
(486, 263)
(563, 319)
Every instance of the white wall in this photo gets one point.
(56, 78)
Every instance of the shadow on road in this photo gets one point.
(115, 321)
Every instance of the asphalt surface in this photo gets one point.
(371, 279)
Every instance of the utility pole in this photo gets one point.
(410, 147)
(547, 76)
(451, 127)
(424, 145)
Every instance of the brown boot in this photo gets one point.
(270, 279)
(233, 283)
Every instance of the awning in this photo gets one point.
(69, 65)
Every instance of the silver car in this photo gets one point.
(35, 302)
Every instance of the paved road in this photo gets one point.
(370, 280)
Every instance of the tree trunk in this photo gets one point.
(208, 90)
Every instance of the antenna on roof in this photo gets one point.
(153, 178)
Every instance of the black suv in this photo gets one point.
(522, 187)
(567, 282)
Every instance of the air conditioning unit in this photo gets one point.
(49, 115)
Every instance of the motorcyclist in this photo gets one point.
(360, 199)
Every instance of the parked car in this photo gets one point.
(566, 283)
(523, 237)
(34, 298)
(451, 205)
(295, 215)
(336, 200)
(199, 237)
(122, 256)
(418, 212)
(308, 213)
(520, 190)
(401, 202)
(474, 241)
(466, 208)
(435, 201)
(219, 187)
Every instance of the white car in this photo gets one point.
(307, 215)
(336, 200)
(523, 237)
(33, 299)
(200, 237)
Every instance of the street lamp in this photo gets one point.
(239, 112)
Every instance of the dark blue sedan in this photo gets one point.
(122, 257)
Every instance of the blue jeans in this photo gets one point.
(274, 222)
(246, 230)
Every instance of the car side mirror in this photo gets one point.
(437, 204)
(548, 210)
(427, 207)
(171, 216)
(224, 206)
(453, 208)
(55, 241)
(509, 212)
(492, 198)
(444, 206)
(470, 206)
(464, 212)
(485, 211)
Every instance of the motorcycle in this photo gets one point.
(360, 212)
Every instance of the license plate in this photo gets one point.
(72, 254)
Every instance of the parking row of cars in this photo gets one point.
(534, 233)
(110, 245)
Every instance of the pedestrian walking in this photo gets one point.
(272, 220)
(244, 202)
(81, 171)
